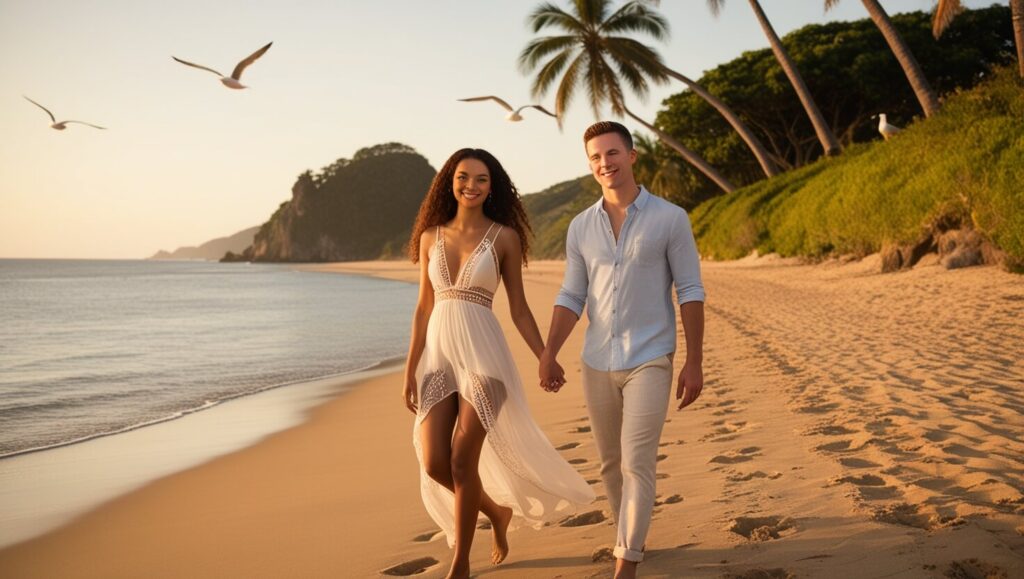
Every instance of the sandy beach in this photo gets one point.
(853, 424)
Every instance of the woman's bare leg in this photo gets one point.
(436, 442)
(466, 447)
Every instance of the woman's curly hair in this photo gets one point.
(503, 204)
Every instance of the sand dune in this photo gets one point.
(852, 425)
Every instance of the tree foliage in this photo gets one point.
(852, 75)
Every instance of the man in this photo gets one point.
(622, 255)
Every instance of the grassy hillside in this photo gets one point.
(964, 165)
(552, 209)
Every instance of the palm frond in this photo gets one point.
(566, 88)
(830, 4)
(550, 71)
(592, 12)
(548, 14)
(716, 7)
(638, 55)
(945, 12)
(636, 17)
(539, 48)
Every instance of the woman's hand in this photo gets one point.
(552, 375)
(410, 394)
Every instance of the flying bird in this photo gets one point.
(513, 114)
(63, 124)
(885, 128)
(232, 81)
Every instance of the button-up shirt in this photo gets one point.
(626, 285)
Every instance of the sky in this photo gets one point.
(186, 160)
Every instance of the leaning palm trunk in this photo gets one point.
(690, 157)
(723, 109)
(825, 136)
(1017, 10)
(923, 90)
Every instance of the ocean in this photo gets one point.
(90, 348)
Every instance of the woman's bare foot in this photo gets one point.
(500, 529)
(458, 571)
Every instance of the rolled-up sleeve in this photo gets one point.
(684, 261)
(575, 284)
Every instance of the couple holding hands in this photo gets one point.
(480, 450)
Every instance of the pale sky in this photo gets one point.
(186, 160)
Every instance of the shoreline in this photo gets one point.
(208, 405)
(226, 426)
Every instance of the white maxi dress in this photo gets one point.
(466, 354)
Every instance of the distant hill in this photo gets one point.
(214, 249)
(551, 211)
(354, 209)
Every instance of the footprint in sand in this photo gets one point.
(761, 574)
(972, 568)
(739, 477)
(588, 518)
(902, 514)
(724, 431)
(577, 461)
(660, 457)
(669, 501)
(742, 455)
(963, 451)
(818, 408)
(761, 528)
(427, 537)
(727, 410)
(568, 446)
(661, 476)
(414, 567)
(580, 429)
(850, 462)
(864, 480)
(869, 486)
(828, 430)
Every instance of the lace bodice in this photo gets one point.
(477, 279)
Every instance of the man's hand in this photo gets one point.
(552, 375)
(691, 382)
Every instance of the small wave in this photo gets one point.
(205, 405)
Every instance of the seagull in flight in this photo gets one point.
(513, 114)
(63, 124)
(885, 128)
(236, 75)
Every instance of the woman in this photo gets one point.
(460, 377)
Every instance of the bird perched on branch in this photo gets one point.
(513, 114)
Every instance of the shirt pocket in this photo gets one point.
(647, 251)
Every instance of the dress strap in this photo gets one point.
(487, 235)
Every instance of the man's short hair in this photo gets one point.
(605, 127)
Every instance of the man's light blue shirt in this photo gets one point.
(626, 286)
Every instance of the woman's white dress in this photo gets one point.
(466, 354)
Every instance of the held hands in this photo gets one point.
(691, 382)
(552, 375)
(410, 394)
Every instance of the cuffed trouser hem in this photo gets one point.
(628, 554)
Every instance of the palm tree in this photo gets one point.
(947, 10)
(592, 55)
(923, 90)
(661, 173)
(825, 135)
